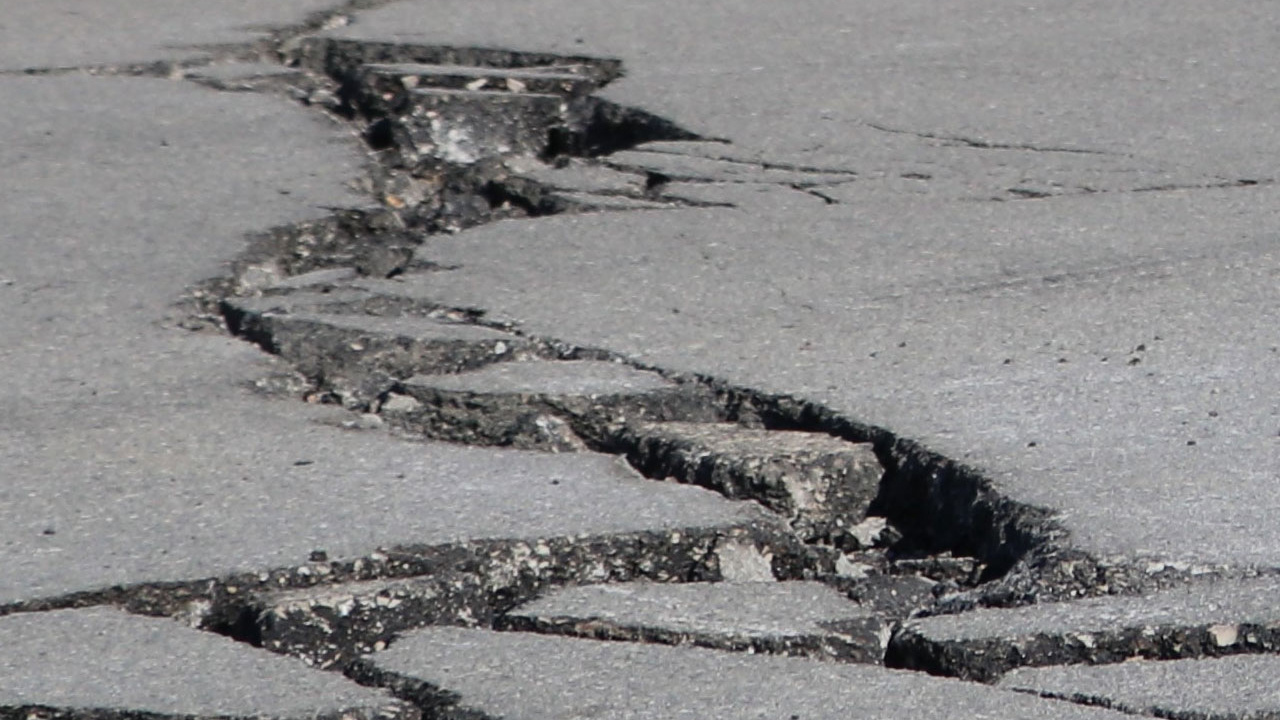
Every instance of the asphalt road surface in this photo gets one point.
(858, 343)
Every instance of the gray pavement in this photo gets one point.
(1027, 252)
(65, 34)
(1217, 688)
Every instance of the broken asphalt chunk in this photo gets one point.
(893, 596)
(473, 582)
(1230, 688)
(544, 404)
(822, 484)
(462, 127)
(459, 672)
(358, 357)
(1204, 619)
(99, 663)
(788, 618)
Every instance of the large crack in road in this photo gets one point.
(855, 545)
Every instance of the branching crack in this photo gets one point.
(964, 141)
(760, 164)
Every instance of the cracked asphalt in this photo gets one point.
(358, 353)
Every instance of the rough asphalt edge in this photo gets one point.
(848, 640)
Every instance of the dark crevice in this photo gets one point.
(237, 623)
(531, 204)
(435, 702)
(655, 182)
(609, 128)
(1107, 704)
(379, 135)
(1033, 194)
(940, 506)
(816, 193)
(1029, 193)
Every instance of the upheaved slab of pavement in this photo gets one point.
(789, 618)
(517, 403)
(493, 674)
(1203, 619)
(356, 356)
(1231, 688)
(822, 484)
